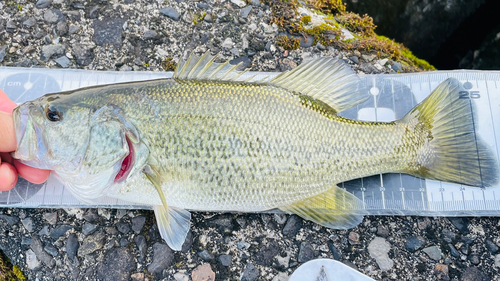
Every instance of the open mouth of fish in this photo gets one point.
(127, 163)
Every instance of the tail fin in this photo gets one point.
(452, 152)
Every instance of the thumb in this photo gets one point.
(7, 133)
(6, 105)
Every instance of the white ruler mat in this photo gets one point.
(393, 96)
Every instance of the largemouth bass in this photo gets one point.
(210, 140)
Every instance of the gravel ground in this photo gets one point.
(104, 244)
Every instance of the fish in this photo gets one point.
(209, 139)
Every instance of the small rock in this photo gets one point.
(336, 254)
(88, 228)
(242, 245)
(92, 243)
(31, 260)
(2, 56)
(474, 259)
(292, 226)
(208, 18)
(28, 224)
(225, 260)
(228, 43)
(206, 255)
(171, 13)
(123, 227)
(320, 46)
(163, 257)
(73, 29)
(203, 272)
(139, 276)
(63, 61)
(117, 265)
(306, 252)
(414, 243)
(397, 67)
(51, 218)
(53, 16)
(368, 57)
(441, 269)
(282, 276)
(62, 28)
(59, 231)
(252, 26)
(497, 260)
(379, 249)
(454, 251)
(84, 57)
(448, 236)
(354, 59)
(187, 243)
(51, 250)
(25, 241)
(239, 3)
(433, 252)
(382, 231)
(250, 273)
(44, 257)
(138, 223)
(108, 31)
(50, 50)
(280, 218)
(245, 11)
(474, 274)
(149, 34)
(94, 12)
(30, 22)
(461, 224)
(140, 241)
(202, 5)
(266, 254)
(383, 61)
(42, 4)
(491, 246)
(223, 223)
(244, 60)
(44, 231)
(11, 26)
(72, 246)
(353, 238)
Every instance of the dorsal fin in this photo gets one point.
(328, 80)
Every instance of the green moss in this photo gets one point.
(198, 17)
(306, 19)
(288, 43)
(168, 64)
(17, 271)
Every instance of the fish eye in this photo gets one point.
(53, 114)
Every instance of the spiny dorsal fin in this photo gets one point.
(334, 208)
(329, 80)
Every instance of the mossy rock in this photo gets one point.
(9, 272)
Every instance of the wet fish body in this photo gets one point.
(208, 140)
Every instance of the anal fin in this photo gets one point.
(173, 223)
(334, 208)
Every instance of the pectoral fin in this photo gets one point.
(173, 223)
(334, 208)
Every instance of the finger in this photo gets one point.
(6, 105)
(31, 174)
(7, 133)
(8, 177)
(5, 157)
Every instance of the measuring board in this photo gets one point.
(392, 97)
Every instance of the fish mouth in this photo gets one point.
(127, 163)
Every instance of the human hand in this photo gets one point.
(9, 167)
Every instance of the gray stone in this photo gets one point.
(72, 246)
(266, 254)
(292, 226)
(88, 228)
(51, 250)
(453, 251)
(84, 57)
(355, 59)
(149, 34)
(448, 236)
(474, 274)
(44, 231)
(125, 68)
(2, 57)
(123, 242)
(497, 260)
(108, 31)
(202, 5)
(90, 215)
(123, 227)
(60, 230)
(225, 260)
(320, 46)
(336, 254)
(138, 223)
(92, 243)
(163, 257)
(11, 26)
(51, 218)
(28, 224)
(170, 12)
(31, 260)
(25, 240)
(433, 252)
(397, 66)
(245, 62)
(53, 16)
(280, 218)
(187, 243)
(461, 224)
(245, 11)
(140, 241)
(414, 243)
(379, 249)
(63, 61)
(117, 265)
(306, 252)
(491, 246)
(73, 29)
(44, 257)
(239, 3)
(250, 273)
(208, 18)
(94, 12)
(62, 28)
(42, 4)
(30, 22)
(52, 50)
(206, 255)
